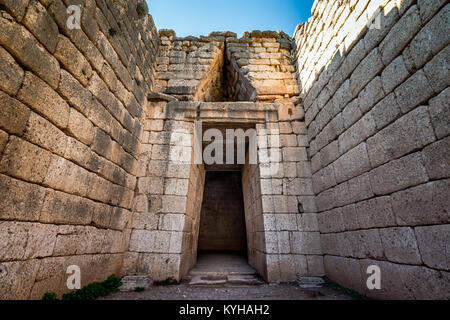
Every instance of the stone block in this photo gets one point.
(350, 218)
(398, 174)
(19, 277)
(400, 35)
(271, 186)
(365, 71)
(361, 130)
(331, 221)
(25, 48)
(375, 213)
(44, 100)
(20, 200)
(68, 177)
(13, 114)
(41, 24)
(414, 91)
(345, 271)
(422, 205)
(352, 163)
(394, 74)
(11, 75)
(410, 132)
(41, 132)
(62, 208)
(315, 266)
(386, 111)
(351, 113)
(428, 8)
(297, 187)
(24, 241)
(173, 204)
(80, 127)
(370, 95)
(436, 158)
(294, 154)
(431, 39)
(440, 113)
(80, 98)
(437, 70)
(16, 7)
(400, 245)
(142, 241)
(305, 243)
(365, 244)
(24, 160)
(433, 244)
(73, 60)
(3, 140)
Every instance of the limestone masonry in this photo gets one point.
(91, 118)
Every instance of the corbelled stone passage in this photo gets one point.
(222, 219)
(352, 126)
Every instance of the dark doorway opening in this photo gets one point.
(222, 219)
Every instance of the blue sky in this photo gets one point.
(199, 17)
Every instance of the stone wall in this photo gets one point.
(376, 98)
(71, 103)
(222, 67)
(259, 67)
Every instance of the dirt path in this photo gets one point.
(232, 292)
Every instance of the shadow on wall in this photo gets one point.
(375, 92)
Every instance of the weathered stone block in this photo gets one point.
(437, 70)
(330, 221)
(16, 7)
(429, 41)
(433, 245)
(67, 176)
(297, 187)
(413, 91)
(400, 245)
(24, 241)
(305, 243)
(43, 133)
(80, 127)
(13, 114)
(375, 213)
(440, 113)
(437, 159)
(60, 208)
(73, 60)
(11, 75)
(39, 22)
(394, 74)
(44, 100)
(352, 164)
(365, 71)
(24, 47)
(24, 160)
(357, 133)
(370, 95)
(410, 132)
(398, 174)
(424, 204)
(399, 36)
(386, 111)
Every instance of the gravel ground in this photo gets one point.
(232, 292)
